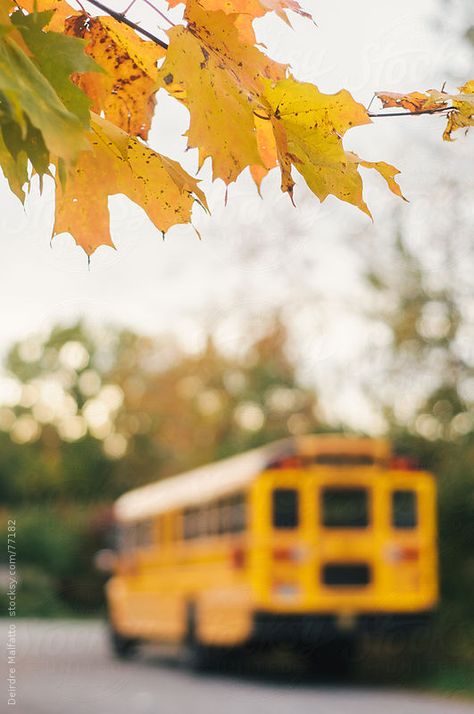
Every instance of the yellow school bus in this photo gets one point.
(310, 540)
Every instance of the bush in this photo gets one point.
(54, 554)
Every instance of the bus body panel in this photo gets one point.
(293, 583)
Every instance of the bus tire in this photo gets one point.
(120, 646)
(197, 656)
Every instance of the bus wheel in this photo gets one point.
(199, 658)
(121, 647)
(196, 656)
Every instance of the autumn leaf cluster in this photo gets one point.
(78, 95)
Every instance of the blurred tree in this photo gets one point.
(425, 388)
(88, 413)
(209, 405)
(421, 289)
(426, 377)
(97, 412)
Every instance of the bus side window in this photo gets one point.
(285, 508)
(227, 515)
(202, 521)
(158, 532)
(238, 513)
(189, 523)
(224, 516)
(138, 535)
(143, 534)
(404, 509)
(127, 537)
(213, 519)
(148, 536)
(120, 533)
(177, 526)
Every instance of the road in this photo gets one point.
(64, 667)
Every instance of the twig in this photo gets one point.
(120, 17)
(161, 14)
(129, 6)
(371, 102)
(410, 114)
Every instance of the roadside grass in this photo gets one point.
(452, 681)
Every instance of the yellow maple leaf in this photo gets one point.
(308, 127)
(246, 11)
(267, 149)
(387, 171)
(462, 116)
(457, 120)
(460, 107)
(61, 11)
(126, 92)
(118, 164)
(219, 78)
(253, 8)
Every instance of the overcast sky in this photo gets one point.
(253, 251)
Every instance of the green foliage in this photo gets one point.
(46, 539)
(278, 121)
(452, 462)
(52, 471)
(43, 115)
(57, 57)
(429, 323)
(38, 596)
(55, 547)
(173, 411)
(177, 411)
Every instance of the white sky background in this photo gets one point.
(256, 254)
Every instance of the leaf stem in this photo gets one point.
(120, 17)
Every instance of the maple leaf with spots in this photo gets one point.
(78, 98)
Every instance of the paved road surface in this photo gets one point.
(64, 668)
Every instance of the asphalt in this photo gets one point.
(64, 667)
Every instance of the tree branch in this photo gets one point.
(408, 113)
(120, 17)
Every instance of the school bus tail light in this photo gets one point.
(238, 558)
(404, 463)
(282, 554)
(409, 553)
(402, 553)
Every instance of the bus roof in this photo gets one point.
(229, 475)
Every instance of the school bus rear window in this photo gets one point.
(404, 510)
(285, 508)
(345, 507)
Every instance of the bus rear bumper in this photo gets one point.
(275, 628)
